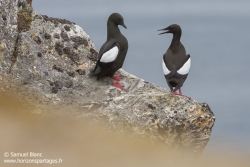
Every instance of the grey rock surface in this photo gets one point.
(47, 62)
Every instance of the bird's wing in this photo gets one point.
(109, 51)
(110, 55)
(184, 69)
(165, 69)
(167, 64)
(107, 54)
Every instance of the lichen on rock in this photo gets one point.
(24, 19)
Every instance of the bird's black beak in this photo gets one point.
(123, 25)
(164, 29)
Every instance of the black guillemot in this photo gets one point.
(113, 52)
(176, 63)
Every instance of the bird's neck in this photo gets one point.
(176, 39)
(113, 30)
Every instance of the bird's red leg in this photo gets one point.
(116, 77)
(116, 84)
(174, 92)
(180, 93)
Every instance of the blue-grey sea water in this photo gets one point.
(216, 35)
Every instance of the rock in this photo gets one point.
(47, 36)
(81, 71)
(67, 28)
(39, 54)
(8, 31)
(64, 36)
(48, 63)
(71, 73)
(37, 39)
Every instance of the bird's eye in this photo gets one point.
(117, 18)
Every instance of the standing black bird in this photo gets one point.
(176, 63)
(113, 52)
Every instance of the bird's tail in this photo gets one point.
(95, 71)
(175, 84)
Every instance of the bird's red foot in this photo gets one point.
(116, 77)
(174, 93)
(118, 85)
(180, 94)
(185, 96)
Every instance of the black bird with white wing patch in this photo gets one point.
(113, 52)
(176, 63)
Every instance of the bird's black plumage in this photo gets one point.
(176, 63)
(113, 52)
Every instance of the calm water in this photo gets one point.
(215, 34)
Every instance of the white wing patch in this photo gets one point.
(110, 55)
(164, 68)
(185, 68)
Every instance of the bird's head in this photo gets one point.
(117, 19)
(173, 28)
